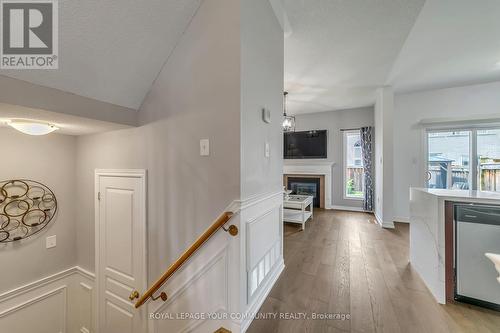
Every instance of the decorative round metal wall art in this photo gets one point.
(26, 207)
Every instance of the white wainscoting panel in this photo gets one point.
(263, 247)
(42, 313)
(84, 307)
(262, 218)
(59, 303)
(200, 287)
(262, 269)
(229, 276)
(262, 234)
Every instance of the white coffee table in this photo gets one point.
(297, 209)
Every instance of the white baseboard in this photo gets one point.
(384, 224)
(348, 208)
(388, 225)
(401, 219)
(377, 219)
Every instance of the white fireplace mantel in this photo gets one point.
(321, 169)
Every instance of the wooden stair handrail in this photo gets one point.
(222, 330)
(219, 223)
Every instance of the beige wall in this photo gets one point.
(49, 160)
(195, 96)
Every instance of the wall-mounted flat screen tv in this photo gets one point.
(305, 144)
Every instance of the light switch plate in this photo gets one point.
(267, 152)
(266, 115)
(50, 242)
(204, 147)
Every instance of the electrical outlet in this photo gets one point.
(204, 147)
(50, 242)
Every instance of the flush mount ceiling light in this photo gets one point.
(32, 127)
(288, 121)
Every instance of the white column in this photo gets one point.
(384, 140)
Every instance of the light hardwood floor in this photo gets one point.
(344, 263)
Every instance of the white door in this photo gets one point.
(120, 250)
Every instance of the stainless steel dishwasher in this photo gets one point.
(477, 231)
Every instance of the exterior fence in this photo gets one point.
(490, 180)
(489, 177)
(354, 178)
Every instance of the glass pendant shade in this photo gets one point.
(288, 121)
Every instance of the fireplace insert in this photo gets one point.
(306, 186)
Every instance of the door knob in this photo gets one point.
(134, 295)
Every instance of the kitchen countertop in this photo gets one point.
(427, 232)
(461, 194)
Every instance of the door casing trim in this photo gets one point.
(132, 173)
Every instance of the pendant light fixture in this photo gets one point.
(288, 121)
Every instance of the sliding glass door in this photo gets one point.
(448, 159)
(488, 156)
(464, 159)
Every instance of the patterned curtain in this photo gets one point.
(367, 151)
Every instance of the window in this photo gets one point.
(488, 159)
(448, 160)
(353, 166)
(451, 163)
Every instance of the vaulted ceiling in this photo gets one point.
(338, 52)
(453, 43)
(112, 50)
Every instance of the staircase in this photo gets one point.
(222, 330)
